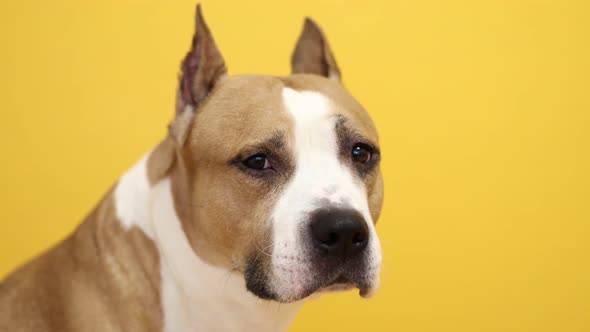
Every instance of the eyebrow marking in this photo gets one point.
(277, 140)
(273, 144)
(346, 133)
(347, 137)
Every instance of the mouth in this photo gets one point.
(296, 281)
(344, 283)
(339, 284)
(258, 284)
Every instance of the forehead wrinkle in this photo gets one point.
(343, 128)
(276, 141)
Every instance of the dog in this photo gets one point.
(264, 193)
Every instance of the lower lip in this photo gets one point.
(341, 280)
(338, 287)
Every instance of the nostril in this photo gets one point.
(359, 238)
(328, 240)
(332, 239)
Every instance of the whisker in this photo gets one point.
(262, 251)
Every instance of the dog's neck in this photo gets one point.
(194, 294)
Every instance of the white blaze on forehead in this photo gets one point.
(320, 176)
(320, 179)
(319, 171)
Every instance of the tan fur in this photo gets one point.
(224, 211)
(101, 278)
(161, 160)
(105, 278)
(226, 208)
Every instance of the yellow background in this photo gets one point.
(483, 109)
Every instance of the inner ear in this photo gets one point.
(201, 69)
(312, 54)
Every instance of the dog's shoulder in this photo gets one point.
(85, 283)
(32, 297)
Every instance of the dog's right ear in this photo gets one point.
(201, 68)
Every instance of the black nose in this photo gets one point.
(339, 232)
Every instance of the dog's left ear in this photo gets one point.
(312, 53)
(201, 69)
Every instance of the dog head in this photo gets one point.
(277, 177)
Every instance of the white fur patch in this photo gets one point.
(197, 296)
(319, 176)
(132, 198)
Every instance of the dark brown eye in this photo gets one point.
(257, 162)
(362, 153)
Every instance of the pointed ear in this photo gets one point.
(312, 53)
(201, 68)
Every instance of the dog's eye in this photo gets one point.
(257, 162)
(362, 153)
